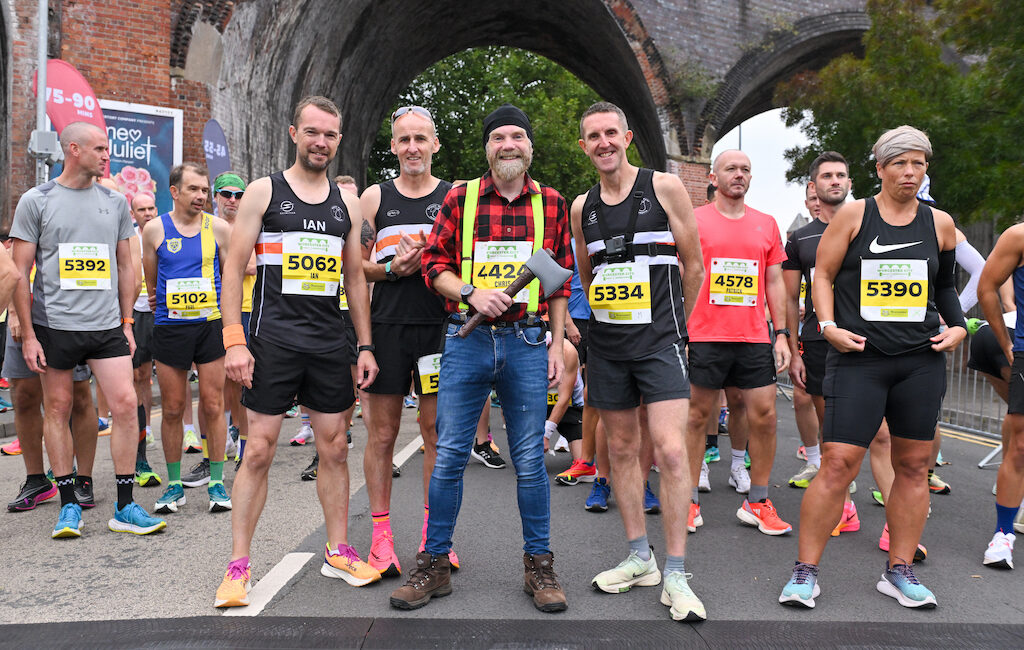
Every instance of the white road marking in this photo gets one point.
(267, 588)
(408, 450)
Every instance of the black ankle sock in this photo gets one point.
(66, 485)
(124, 489)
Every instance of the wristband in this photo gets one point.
(366, 348)
(130, 321)
(233, 335)
(825, 323)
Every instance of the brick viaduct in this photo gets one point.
(685, 71)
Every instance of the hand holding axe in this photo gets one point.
(542, 266)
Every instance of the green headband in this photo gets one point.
(228, 180)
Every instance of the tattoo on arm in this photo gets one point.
(368, 235)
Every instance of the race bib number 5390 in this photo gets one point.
(894, 290)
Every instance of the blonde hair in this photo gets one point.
(900, 140)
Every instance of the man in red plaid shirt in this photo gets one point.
(485, 231)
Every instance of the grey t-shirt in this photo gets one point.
(76, 234)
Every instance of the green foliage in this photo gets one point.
(973, 116)
(463, 88)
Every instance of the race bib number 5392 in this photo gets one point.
(84, 266)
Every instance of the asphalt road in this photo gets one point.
(738, 572)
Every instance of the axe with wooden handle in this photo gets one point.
(541, 266)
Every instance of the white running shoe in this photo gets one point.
(631, 572)
(704, 483)
(999, 554)
(304, 435)
(739, 478)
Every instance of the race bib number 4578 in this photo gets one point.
(734, 282)
(84, 266)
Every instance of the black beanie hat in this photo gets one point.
(505, 115)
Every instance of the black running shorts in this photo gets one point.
(863, 387)
(179, 346)
(656, 377)
(142, 330)
(322, 382)
(986, 355)
(1016, 405)
(813, 355)
(740, 365)
(399, 348)
(65, 349)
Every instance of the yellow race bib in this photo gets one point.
(310, 264)
(429, 369)
(621, 293)
(84, 266)
(496, 264)
(734, 282)
(894, 290)
(190, 298)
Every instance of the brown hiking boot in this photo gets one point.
(542, 583)
(431, 578)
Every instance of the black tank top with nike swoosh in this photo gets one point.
(885, 288)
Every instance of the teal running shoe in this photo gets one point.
(900, 583)
(802, 588)
(172, 497)
(133, 519)
(69, 522)
(711, 455)
(219, 499)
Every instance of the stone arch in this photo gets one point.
(747, 88)
(362, 54)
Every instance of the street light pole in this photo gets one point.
(44, 29)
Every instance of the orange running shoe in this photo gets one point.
(580, 470)
(883, 543)
(234, 590)
(694, 520)
(343, 562)
(12, 448)
(382, 555)
(849, 522)
(764, 516)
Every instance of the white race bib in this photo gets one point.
(621, 293)
(429, 369)
(84, 266)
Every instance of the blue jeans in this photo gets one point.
(514, 360)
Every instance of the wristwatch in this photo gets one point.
(784, 330)
(466, 291)
(388, 273)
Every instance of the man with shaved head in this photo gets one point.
(729, 343)
(78, 234)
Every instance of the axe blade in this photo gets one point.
(551, 275)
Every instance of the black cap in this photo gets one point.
(505, 115)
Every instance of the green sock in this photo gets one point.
(174, 473)
(216, 471)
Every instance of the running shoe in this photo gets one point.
(683, 603)
(359, 409)
(853, 487)
(629, 573)
(193, 376)
(652, 505)
(598, 499)
(104, 426)
(999, 554)
(198, 475)
(150, 438)
(486, 455)
(348, 438)
(746, 459)
(1018, 521)
(723, 429)
(495, 402)
(900, 583)
(83, 492)
(32, 495)
(4, 384)
(876, 496)
(396, 471)
(343, 562)
(936, 485)
(801, 453)
(309, 474)
(230, 443)
(382, 555)
(219, 499)
(920, 555)
(145, 476)
(409, 402)
(739, 478)
(712, 455)
(304, 435)
(704, 482)
(69, 522)
(848, 522)
(13, 448)
(579, 471)
(172, 498)
(802, 588)
(133, 519)
(803, 478)
(191, 442)
(693, 519)
(764, 516)
(234, 589)
(293, 412)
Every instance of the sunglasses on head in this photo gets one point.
(228, 194)
(419, 110)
